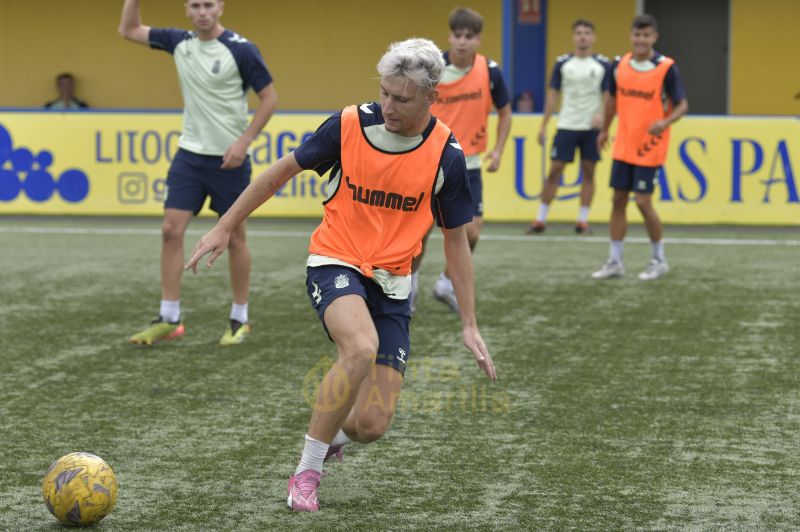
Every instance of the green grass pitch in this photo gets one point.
(673, 404)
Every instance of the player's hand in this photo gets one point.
(214, 242)
(657, 127)
(473, 341)
(494, 161)
(235, 154)
(602, 138)
(542, 137)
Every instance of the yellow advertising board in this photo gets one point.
(719, 170)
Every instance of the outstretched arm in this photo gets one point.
(259, 191)
(459, 265)
(503, 129)
(130, 25)
(268, 101)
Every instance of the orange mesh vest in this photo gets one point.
(464, 105)
(639, 104)
(382, 207)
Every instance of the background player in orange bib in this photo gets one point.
(647, 94)
(394, 169)
(470, 86)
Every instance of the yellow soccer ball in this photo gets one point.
(79, 489)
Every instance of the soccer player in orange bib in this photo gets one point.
(394, 169)
(470, 86)
(647, 93)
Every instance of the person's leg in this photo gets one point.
(651, 220)
(619, 222)
(350, 326)
(658, 264)
(186, 196)
(173, 229)
(589, 158)
(375, 405)
(168, 325)
(621, 182)
(561, 154)
(239, 264)
(587, 189)
(225, 186)
(550, 188)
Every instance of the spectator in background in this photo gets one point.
(524, 103)
(65, 83)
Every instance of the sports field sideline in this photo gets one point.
(620, 404)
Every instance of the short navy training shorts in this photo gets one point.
(390, 316)
(567, 140)
(193, 177)
(626, 176)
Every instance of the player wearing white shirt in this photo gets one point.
(216, 67)
(581, 77)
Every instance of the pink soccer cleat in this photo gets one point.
(303, 491)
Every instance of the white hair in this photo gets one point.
(416, 59)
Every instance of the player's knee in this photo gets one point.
(237, 241)
(643, 202)
(359, 353)
(371, 426)
(171, 232)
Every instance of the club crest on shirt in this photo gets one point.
(341, 281)
(215, 68)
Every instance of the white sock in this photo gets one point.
(239, 313)
(444, 282)
(313, 455)
(658, 250)
(340, 439)
(616, 250)
(542, 214)
(583, 214)
(170, 310)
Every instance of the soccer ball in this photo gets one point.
(79, 489)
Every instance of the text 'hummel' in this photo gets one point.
(388, 200)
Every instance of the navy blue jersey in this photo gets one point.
(452, 203)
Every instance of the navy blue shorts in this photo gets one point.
(193, 177)
(390, 316)
(641, 179)
(567, 140)
(476, 188)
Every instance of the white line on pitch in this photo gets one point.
(498, 238)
